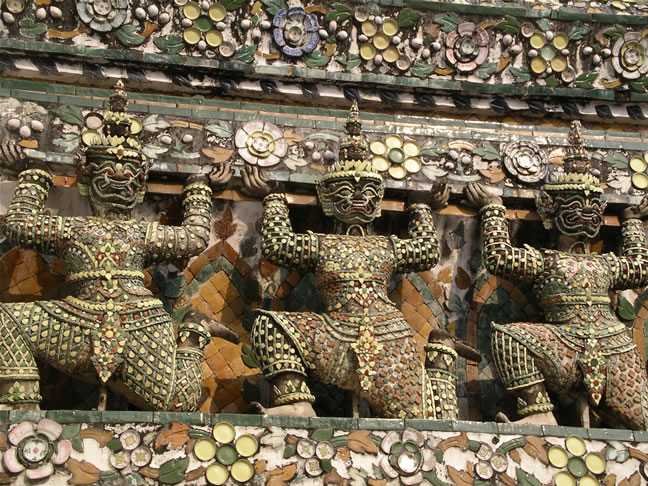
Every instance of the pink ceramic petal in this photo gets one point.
(20, 431)
(45, 471)
(50, 428)
(281, 147)
(63, 451)
(270, 160)
(10, 461)
(387, 468)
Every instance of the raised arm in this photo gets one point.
(630, 270)
(501, 258)
(170, 243)
(280, 245)
(26, 225)
(420, 251)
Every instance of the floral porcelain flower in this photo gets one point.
(36, 449)
(629, 55)
(260, 143)
(406, 457)
(467, 47)
(295, 31)
(102, 15)
(526, 161)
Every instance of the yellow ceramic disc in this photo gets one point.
(367, 51)
(369, 28)
(91, 137)
(412, 165)
(246, 445)
(394, 141)
(191, 10)
(646, 156)
(242, 470)
(378, 147)
(559, 64)
(390, 54)
(381, 41)
(537, 40)
(380, 163)
(538, 65)
(217, 12)
(390, 27)
(216, 474)
(205, 449)
(411, 148)
(136, 125)
(595, 463)
(560, 41)
(191, 35)
(564, 479)
(397, 171)
(223, 432)
(588, 481)
(558, 456)
(576, 445)
(638, 164)
(640, 181)
(214, 38)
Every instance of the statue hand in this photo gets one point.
(636, 212)
(478, 196)
(12, 157)
(220, 176)
(214, 327)
(439, 196)
(254, 184)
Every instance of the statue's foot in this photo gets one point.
(301, 409)
(546, 418)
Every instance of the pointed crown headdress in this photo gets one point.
(577, 166)
(111, 136)
(353, 152)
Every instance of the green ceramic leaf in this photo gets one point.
(448, 22)
(326, 465)
(525, 479)
(220, 129)
(578, 31)
(172, 43)
(615, 32)
(616, 159)
(351, 62)
(544, 25)
(317, 59)
(487, 152)
(339, 441)
(485, 70)
(128, 36)
(173, 472)
(289, 451)
(29, 28)
(197, 434)
(245, 53)
(639, 86)
(70, 430)
(509, 25)
(108, 475)
(422, 69)
(626, 310)
(233, 4)
(248, 357)
(430, 149)
(522, 75)
(114, 445)
(77, 444)
(433, 478)
(70, 114)
(322, 434)
(153, 124)
(273, 6)
(586, 80)
(339, 12)
(407, 17)
(552, 81)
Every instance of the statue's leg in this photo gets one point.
(626, 397)
(281, 363)
(518, 366)
(159, 373)
(19, 386)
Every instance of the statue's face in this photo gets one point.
(115, 184)
(351, 200)
(578, 214)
